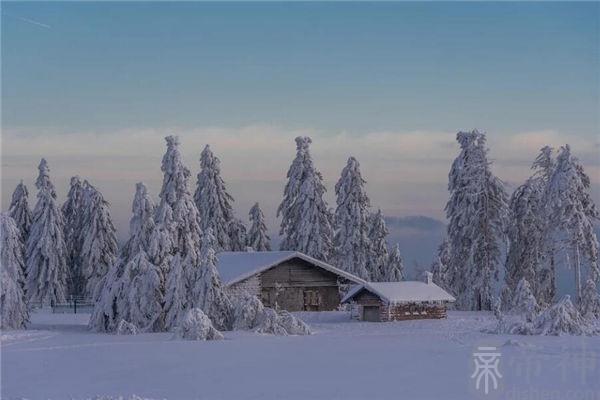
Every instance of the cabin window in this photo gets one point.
(312, 300)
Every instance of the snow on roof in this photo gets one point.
(234, 267)
(402, 292)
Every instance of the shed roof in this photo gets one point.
(234, 267)
(402, 292)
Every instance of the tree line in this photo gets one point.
(547, 222)
(168, 264)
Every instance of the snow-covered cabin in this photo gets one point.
(394, 301)
(291, 280)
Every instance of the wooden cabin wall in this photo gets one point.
(289, 284)
(399, 312)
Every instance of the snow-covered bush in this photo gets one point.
(247, 310)
(563, 318)
(249, 313)
(291, 324)
(558, 319)
(195, 325)
(269, 323)
(126, 328)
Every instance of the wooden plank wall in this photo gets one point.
(286, 283)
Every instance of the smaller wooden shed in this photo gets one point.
(394, 301)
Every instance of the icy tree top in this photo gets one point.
(43, 181)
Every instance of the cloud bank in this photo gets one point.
(406, 171)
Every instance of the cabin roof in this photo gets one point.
(234, 267)
(401, 292)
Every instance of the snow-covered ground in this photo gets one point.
(58, 358)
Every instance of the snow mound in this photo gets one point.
(126, 328)
(250, 314)
(197, 326)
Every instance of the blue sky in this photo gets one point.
(95, 86)
(351, 66)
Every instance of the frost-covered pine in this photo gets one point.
(46, 263)
(141, 224)
(477, 213)
(524, 302)
(378, 252)
(529, 254)
(351, 244)
(209, 294)
(238, 235)
(145, 295)
(19, 210)
(111, 301)
(442, 275)
(590, 300)
(393, 270)
(257, 236)
(306, 221)
(176, 299)
(177, 233)
(98, 240)
(13, 308)
(572, 214)
(72, 210)
(213, 201)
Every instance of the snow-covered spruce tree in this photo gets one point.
(46, 263)
(545, 287)
(378, 251)
(477, 214)
(178, 227)
(145, 294)
(13, 308)
(238, 235)
(209, 295)
(351, 244)
(442, 275)
(257, 237)
(571, 215)
(590, 300)
(72, 210)
(528, 256)
(306, 222)
(393, 270)
(524, 302)
(176, 289)
(98, 240)
(213, 201)
(111, 300)
(19, 210)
